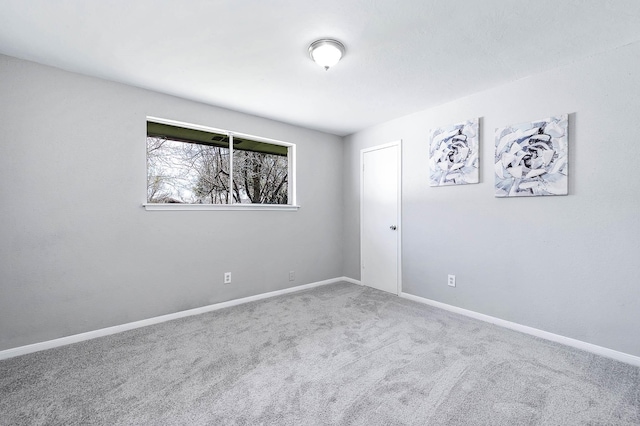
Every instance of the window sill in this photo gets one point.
(196, 207)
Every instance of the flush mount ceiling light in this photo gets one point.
(326, 52)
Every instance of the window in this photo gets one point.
(196, 165)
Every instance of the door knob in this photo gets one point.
(393, 227)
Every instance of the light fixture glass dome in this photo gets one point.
(326, 52)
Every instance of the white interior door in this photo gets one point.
(380, 217)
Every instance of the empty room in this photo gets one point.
(356, 212)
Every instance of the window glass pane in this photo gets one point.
(192, 165)
(260, 172)
(186, 166)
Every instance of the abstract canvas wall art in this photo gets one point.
(531, 159)
(453, 154)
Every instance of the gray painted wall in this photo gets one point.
(77, 250)
(568, 265)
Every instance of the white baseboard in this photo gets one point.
(67, 340)
(49, 344)
(350, 280)
(588, 347)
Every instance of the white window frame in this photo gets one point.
(291, 158)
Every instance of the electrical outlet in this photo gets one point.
(292, 275)
(451, 281)
(227, 277)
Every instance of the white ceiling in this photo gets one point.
(402, 56)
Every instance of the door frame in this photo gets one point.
(363, 151)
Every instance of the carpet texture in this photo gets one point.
(335, 355)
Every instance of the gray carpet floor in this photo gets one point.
(335, 355)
